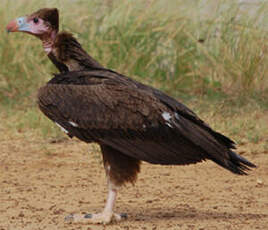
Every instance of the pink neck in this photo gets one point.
(47, 45)
(49, 41)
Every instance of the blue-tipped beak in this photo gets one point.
(19, 24)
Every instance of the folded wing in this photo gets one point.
(134, 120)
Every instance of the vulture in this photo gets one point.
(132, 122)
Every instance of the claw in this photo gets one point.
(123, 215)
(69, 218)
(88, 216)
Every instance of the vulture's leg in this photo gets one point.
(119, 169)
(107, 215)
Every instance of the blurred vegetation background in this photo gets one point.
(210, 55)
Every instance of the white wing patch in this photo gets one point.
(177, 116)
(167, 116)
(168, 124)
(62, 129)
(73, 124)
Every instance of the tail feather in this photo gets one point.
(236, 164)
(241, 159)
(216, 146)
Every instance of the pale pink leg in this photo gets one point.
(106, 216)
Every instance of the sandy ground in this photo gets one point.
(41, 183)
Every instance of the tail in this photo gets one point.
(236, 163)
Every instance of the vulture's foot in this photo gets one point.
(100, 218)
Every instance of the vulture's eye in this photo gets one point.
(35, 20)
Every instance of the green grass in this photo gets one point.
(212, 56)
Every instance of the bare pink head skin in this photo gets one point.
(43, 24)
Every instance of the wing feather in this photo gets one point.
(101, 106)
(126, 118)
(137, 120)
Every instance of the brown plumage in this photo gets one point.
(131, 121)
(49, 15)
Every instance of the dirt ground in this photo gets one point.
(41, 183)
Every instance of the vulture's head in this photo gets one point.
(63, 49)
(43, 23)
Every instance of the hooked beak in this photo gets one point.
(18, 25)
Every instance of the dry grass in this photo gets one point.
(216, 62)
